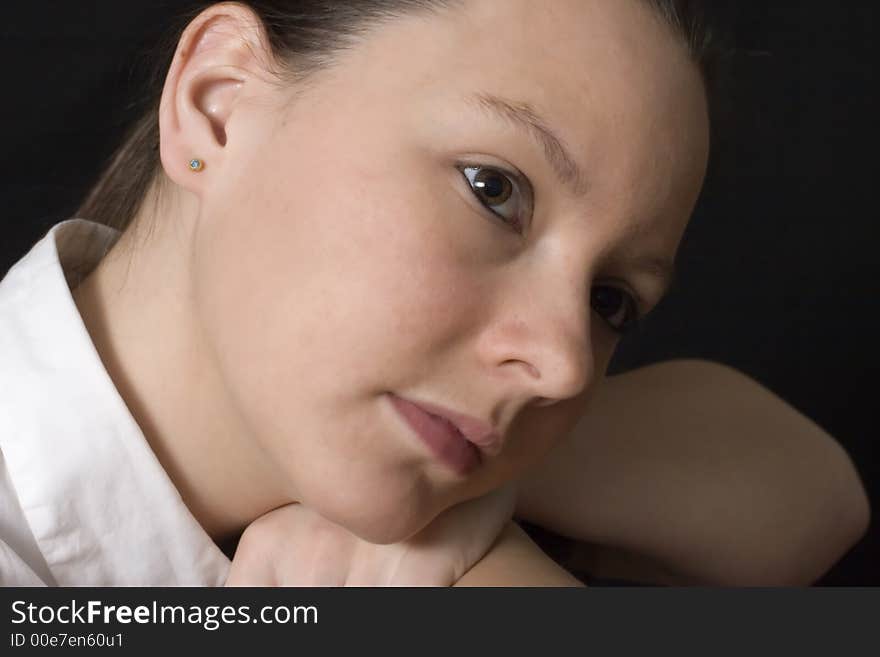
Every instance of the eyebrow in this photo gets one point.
(524, 116)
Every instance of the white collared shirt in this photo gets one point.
(83, 499)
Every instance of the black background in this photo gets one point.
(779, 273)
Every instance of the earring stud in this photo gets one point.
(196, 165)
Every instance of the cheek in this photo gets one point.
(536, 433)
(344, 284)
(311, 313)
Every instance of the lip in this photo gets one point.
(442, 438)
(476, 431)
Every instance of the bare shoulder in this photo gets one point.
(666, 417)
(515, 560)
(672, 395)
(662, 448)
(692, 375)
(684, 406)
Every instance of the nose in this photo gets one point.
(542, 340)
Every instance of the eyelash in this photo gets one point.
(632, 317)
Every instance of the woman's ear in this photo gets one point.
(221, 56)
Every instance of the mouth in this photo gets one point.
(442, 438)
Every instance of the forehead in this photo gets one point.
(612, 80)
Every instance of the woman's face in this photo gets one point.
(401, 229)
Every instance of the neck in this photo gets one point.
(139, 313)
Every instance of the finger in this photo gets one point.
(322, 556)
(250, 571)
(456, 540)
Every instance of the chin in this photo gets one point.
(380, 519)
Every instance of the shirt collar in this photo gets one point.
(101, 507)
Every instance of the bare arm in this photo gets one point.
(515, 560)
(688, 471)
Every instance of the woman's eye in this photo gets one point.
(499, 192)
(616, 307)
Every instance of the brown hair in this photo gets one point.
(303, 36)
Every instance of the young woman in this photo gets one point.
(375, 258)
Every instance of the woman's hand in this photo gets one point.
(295, 546)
